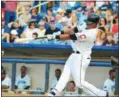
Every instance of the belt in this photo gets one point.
(77, 52)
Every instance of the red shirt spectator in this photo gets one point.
(115, 28)
(11, 6)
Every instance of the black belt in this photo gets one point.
(77, 52)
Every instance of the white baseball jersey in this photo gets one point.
(21, 83)
(7, 82)
(85, 40)
(77, 63)
(54, 82)
(109, 86)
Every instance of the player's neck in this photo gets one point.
(111, 79)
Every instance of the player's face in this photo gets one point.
(23, 71)
(57, 73)
(3, 76)
(112, 75)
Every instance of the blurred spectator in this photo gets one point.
(6, 81)
(71, 87)
(47, 25)
(6, 29)
(106, 6)
(52, 29)
(10, 11)
(13, 36)
(32, 27)
(5, 32)
(34, 15)
(49, 15)
(74, 19)
(42, 29)
(109, 16)
(72, 90)
(101, 39)
(103, 23)
(115, 28)
(109, 40)
(68, 15)
(56, 78)
(35, 35)
(109, 84)
(63, 4)
(2, 10)
(44, 7)
(90, 4)
(17, 26)
(59, 15)
(24, 15)
(99, 4)
(23, 81)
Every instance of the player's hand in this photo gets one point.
(51, 36)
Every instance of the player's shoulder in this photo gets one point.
(27, 76)
(18, 76)
(7, 78)
(93, 30)
(107, 81)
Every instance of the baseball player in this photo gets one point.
(79, 60)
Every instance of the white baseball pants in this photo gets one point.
(76, 66)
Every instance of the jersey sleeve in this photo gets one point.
(106, 86)
(16, 82)
(28, 81)
(9, 84)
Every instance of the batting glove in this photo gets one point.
(51, 36)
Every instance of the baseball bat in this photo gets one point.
(43, 37)
(21, 40)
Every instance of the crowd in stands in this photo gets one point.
(27, 20)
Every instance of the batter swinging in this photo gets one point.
(79, 60)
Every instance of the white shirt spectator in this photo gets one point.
(7, 82)
(41, 32)
(54, 82)
(28, 32)
(109, 86)
(22, 83)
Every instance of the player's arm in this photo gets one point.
(63, 37)
(106, 86)
(76, 36)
